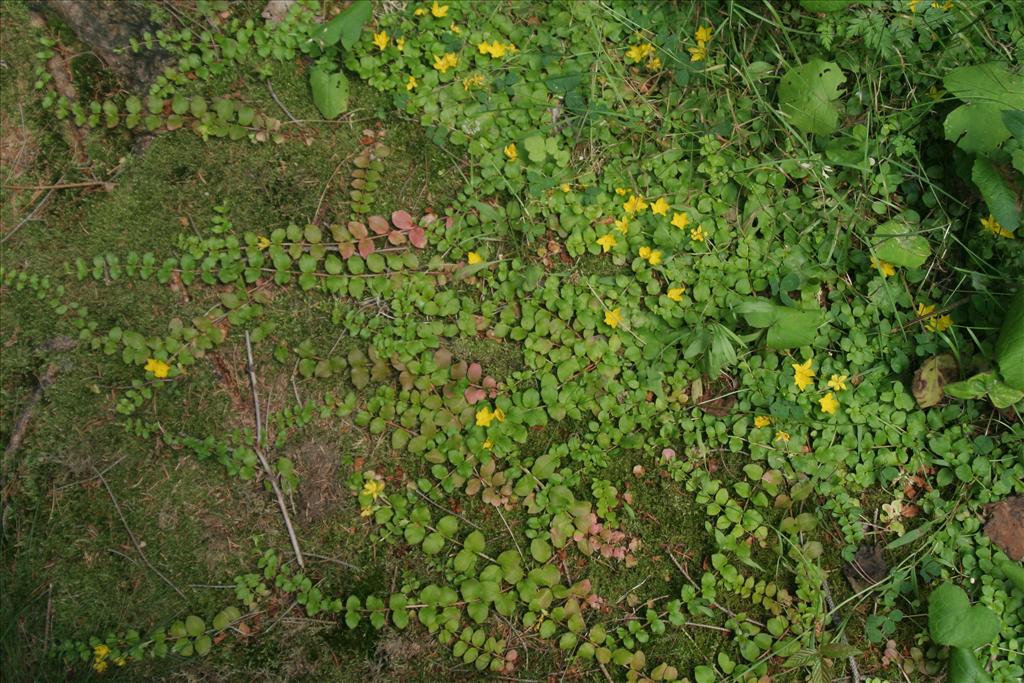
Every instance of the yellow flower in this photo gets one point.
(923, 310)
(400, 43)
(446, 62)
(366, 511)
(474, 81)
(454, 28)
(698, 54)
(411, 83)
(828, 403)
(680, 220)
(484, 417)
(676, 293)
(566, 187)
(101, 651)
(634, 204)
(420, 11)
(703, 35)
(499, 414)
(606, 242)
(655, 257)
(622, 225)
(781, 436)
(120, 661)
(380, 40)
(940, 324)
(654, 63)
(488, 444)
(494, 49)
(373, 488)
(762, 421)
(660, 207)
(473, 258)
(100, 665)
(697, 234)
(439, 11)
(511, 152)
(802, 374)
(637, 53)
(157, 367)
(645, 253)
(837, 382)
(884, 267)
(993, 226)
(262, 243)
(613, 318)
(621, 191)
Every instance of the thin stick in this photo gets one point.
(263, 458)
(26, 219)
(854, 671)
(520, 550)
(135, 542)
(444, 509)
(59, 186)
(281, 104)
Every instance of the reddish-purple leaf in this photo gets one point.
(346, 249)
(357, 229)
(378, 224)
(402, 220)
(427, 219)
(475, 371)
(475, 395)
(366, 247)
(396, 237)
(459, 370)
(418, 237)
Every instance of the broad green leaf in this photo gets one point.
(825, 6)
(807, 94)
(330, 91)
(964, 667)
(433, 543)
(977, 128)
(203, 644)
(1000, 198)
(345, 27)
(475, 542)
(194, 626)
(988, 83)
(534, 146)
(899, 244)
(540, 549)
(1010, 346)
(792, 328)
(952, 620)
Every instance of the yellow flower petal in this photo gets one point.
(473, 258)
(634, 204)
(828, 403)
(660, 207)
(802, 374)
(606, 242)
(622, 225)
(781, 436)
(511, 152)
(680, 220)
(613, 318)
(439, 11)
(484, 417)
(762, 421)
(676, 293)
(697, 234)
(380, 40)
(157, 367)
(838, 382)
(411, 83)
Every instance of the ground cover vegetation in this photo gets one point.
(516, 340)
